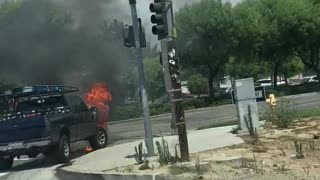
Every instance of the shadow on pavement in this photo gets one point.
(42, 162)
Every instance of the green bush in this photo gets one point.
(299, 89)
(284, 114)
(292, 90)
(194, 104)
(125, 112)
(197, 84)
(134, 111)
(156, 109)
(219, 100)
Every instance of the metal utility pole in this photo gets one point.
(165, 30)
(145, 105)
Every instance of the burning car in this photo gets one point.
(46, 119)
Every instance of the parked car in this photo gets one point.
(225, 85)
(267, 82)
(46, 119)
(310, 79)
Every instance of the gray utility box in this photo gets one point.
(245, 98)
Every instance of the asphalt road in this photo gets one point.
(201, 117)
(42, 169)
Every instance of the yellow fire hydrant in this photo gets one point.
(272, 101)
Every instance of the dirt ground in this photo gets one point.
(272, 156)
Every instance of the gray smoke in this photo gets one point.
(45, 42)
(67, 41)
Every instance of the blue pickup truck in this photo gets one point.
(46, 119)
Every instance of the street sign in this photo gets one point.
(260, 93)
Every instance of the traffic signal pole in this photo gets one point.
(165, 30)
(144, 97)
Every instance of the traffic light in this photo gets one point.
(159, 18)
(128, 36)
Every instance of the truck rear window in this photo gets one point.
(30, 104)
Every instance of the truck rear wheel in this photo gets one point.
(62, 152)
(100, 140)
(6, 163)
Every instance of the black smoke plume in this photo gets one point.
(61, 42)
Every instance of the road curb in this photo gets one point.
(301, 95)
(74, 175)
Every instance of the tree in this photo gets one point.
(206, 37)
(154, 78)
(244, 69)
(266, 25)
(305, 33)
(274, 46)
(291, 68)
(197, 84)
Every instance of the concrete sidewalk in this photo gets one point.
(122, 154)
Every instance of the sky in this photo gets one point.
(108, 10)
(121, 10)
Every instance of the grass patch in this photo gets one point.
(293, 90)
(310, 113)
(302, 114)
(176, 170)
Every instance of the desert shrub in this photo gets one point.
(165, 156)
(284, 114)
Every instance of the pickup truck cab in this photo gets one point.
(46, 119)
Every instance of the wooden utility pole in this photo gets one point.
(165, 29)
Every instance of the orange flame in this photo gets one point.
(100, 97)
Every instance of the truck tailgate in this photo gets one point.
(22, 128)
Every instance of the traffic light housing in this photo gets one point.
(159, 18)
(128, 37)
